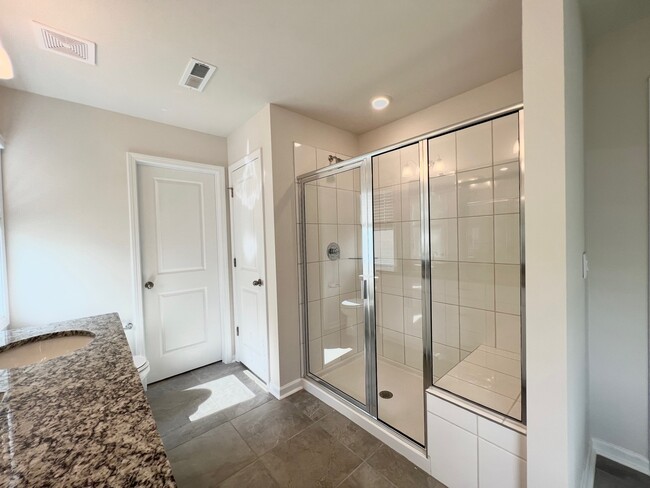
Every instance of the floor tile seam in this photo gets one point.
(246, 466)
(373, 469)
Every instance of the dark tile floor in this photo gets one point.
(253, 440)
(610, 474)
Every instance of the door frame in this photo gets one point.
(133, 160)
(249, 158)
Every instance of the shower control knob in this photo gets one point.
(258, 282)
(148, 285)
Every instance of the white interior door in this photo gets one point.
(248, 266)
(180, 270)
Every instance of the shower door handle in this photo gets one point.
(365, 289)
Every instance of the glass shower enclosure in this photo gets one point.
(412, 273)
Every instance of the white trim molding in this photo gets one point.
(285, 390)
(615, 453)
(219, 173)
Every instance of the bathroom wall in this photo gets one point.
(497, 94)
(66, 202)
(617, 67)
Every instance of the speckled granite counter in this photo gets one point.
(81, 419)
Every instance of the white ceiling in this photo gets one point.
(322, 58)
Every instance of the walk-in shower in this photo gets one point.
(412, 273)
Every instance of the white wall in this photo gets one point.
(67, 215)
(555, 306)
(497, 94)
(617, 68)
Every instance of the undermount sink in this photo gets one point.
(43, 348)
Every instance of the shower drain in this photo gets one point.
(386, 394)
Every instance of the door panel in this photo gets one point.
(182, 299)
(249, 272)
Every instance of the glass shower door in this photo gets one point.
(337, 298)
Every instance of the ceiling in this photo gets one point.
(323, 58)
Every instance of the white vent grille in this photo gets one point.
(197, 74)
(61, 43)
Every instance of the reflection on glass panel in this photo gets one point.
(398, 290)
(335, 306)
(475, 263)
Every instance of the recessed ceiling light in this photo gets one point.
(6, 69)
(296, 144)
(380, 103)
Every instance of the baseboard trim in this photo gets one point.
(589, 470)
(619, 454)
(416, 455)
(284, 391)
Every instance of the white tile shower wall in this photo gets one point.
(474, 200)
(335, 328)
(396, 206)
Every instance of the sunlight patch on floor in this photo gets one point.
(224, 392)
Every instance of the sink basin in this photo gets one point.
(42, 348)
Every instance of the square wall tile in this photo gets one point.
(327, 205)
(379, 337)
(446, 324)
(505, 134)
(313, 281)
(348, 314)
(442, 155)
(345, 180)
(326, 235)
(388, 243)
(315, 355)
(390, 281)
(330, 315)
(476, 239)
(412, 276)
(413, 353)
(311, 230)
(508, 332)
(347, 276)
(444, 240)
(393, 312)
(379, 307)
(304, 158)
(410, 163)
(442, 197)
(506, 188)
(329, 279)
(411, 201)
(387, 167)
(477, 285)
(474, 146)
(411, 245)
(475, 193)
(413, 317)
(507, 288)
(347, 241)
(444, 282)
(314, 317)
(361, 337)
(387, 204)
(506, 239)
(328, 181)
(476, 327)
(444, 359)
(393, 345)
(345, 206)
(311, 203)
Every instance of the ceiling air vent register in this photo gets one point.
(197, 74)
(65, 44)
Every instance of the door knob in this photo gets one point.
(257, 282)
(148, 285)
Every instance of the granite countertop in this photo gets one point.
(81, 419)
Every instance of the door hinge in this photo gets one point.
(232, 191)
(234, 261)
(237, 329)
